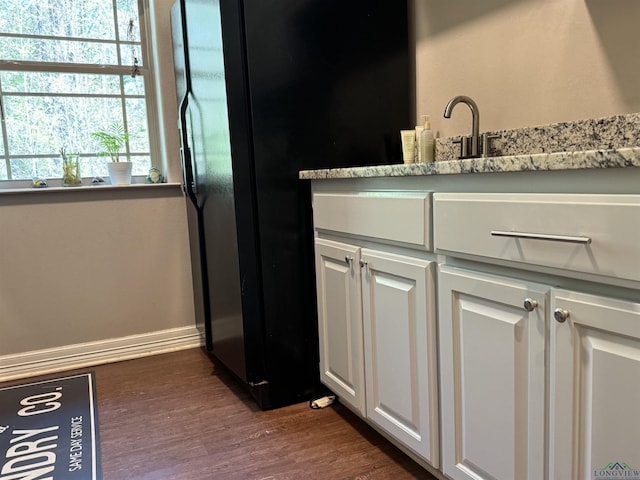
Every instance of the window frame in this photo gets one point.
(145, 70)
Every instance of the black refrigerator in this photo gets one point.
(267, 88)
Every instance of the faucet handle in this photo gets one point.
(465, 143)
(486, 143)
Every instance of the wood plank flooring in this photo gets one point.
(178, 417)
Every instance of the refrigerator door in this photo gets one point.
(213, 176)
(196, 232)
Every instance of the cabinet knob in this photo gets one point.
(530, 305)
(348, 260)
(363, 264)
(561, 315)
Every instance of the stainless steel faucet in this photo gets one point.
(475, 126)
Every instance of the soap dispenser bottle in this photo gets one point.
(426, 142)
(418, 152)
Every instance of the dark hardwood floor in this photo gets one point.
(176, 416)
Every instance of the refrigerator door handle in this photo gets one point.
(188, 178)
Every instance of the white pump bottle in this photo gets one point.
(427, 147)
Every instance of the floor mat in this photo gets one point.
(49, 429)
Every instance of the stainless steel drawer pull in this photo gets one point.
(542, 236)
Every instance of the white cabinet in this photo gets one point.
(593, 234)
(377, 331)
(340, 321)
(400, 349)
(389, 217)
(522, 395)
(494, 379)
(492, 344)
(594, 387)
(552, 393)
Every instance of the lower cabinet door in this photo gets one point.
(340, 321)
(400, 349)
(492, 361)
(595, 387)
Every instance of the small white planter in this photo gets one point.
(120, 173)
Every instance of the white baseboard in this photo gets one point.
(39, 362)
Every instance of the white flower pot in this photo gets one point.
(120, 173)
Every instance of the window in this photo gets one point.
(69, 68)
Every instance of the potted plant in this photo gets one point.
(112, 141)
(70, 169)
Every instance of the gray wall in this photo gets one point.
(526, 62)
(92, 266)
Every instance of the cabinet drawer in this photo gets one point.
(387, 216)
(595, 234)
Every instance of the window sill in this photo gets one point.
(138, 184)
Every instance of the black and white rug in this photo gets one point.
(49, 429)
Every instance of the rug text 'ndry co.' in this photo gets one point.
(48, 429)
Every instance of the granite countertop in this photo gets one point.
(610, 142)
(589, 159)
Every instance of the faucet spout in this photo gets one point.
(475, 121)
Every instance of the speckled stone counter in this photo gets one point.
(612, 142)
(620, 131)
(619, 158)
